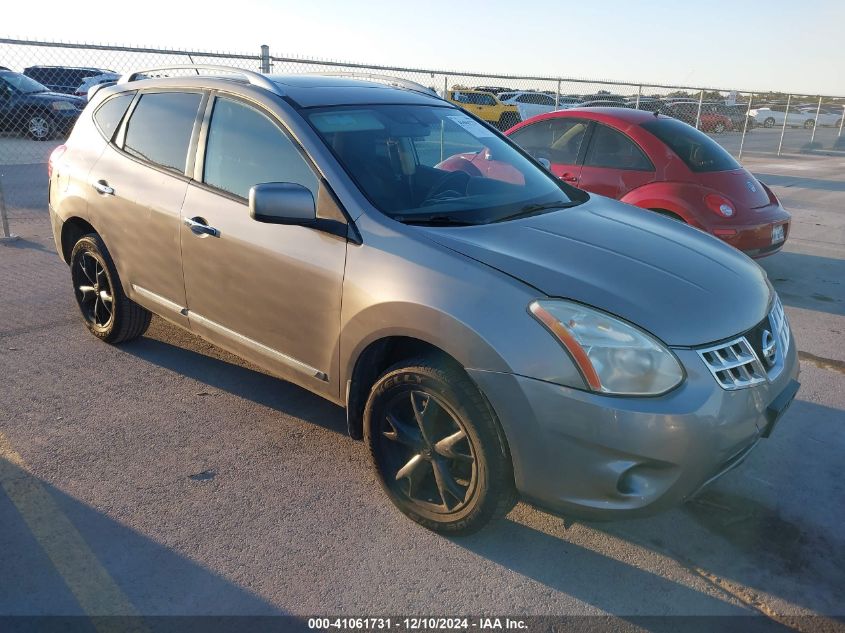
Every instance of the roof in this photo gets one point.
(626, 115)
(308, 91)
(304, 90)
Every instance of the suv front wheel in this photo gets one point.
(107, 312)
(435, 447)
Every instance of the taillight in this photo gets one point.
(54, 158)
(719, 205)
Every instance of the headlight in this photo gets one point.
(62, 105)
(614, 356)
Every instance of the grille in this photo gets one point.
(740, 363)
(734, 365)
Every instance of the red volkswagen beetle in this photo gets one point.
(662, 164)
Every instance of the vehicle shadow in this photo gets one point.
(808, 281)
(801, 182)
(230, 374)
(68, 567)
(628, 591)
(740, 536)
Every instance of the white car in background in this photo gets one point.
(95, 80)
(531, 104)
(828, 115)
(771, 116)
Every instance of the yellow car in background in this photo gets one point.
(485, 106)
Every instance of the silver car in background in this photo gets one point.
(491, 331)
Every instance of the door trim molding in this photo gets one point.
(259, 347)
(159, 300)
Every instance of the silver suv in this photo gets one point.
(490, 330)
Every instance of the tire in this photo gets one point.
(39, 127)
(96, 286)
(769, 122)
(458, 471)
(809, 124)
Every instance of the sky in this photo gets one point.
(747, 45)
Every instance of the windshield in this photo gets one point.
(22, 83)
(696, 149)
(433, 163)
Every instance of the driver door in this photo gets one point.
(268, 292)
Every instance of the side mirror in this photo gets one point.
(545, 162)
(282, 203)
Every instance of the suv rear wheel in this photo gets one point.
(108, 313)
(435, 447)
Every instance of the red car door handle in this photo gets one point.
(568, 178)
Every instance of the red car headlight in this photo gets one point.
(719, 205)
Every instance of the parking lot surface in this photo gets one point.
(168, 477)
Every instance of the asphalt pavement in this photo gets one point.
(167, 477)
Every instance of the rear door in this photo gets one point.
(558, 140)
(614, 164)
(268, 292)
(137, 189)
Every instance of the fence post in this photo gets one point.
(639, 94)
(265, 59)
(557, 96)
(698, 114)
(4, 220)
(816, 122)
(785, 119)
(841, 121)
(445, 86)
(745, 125)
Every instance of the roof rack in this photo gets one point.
(254, 78)
(390, 80)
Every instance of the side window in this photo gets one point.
(108, 115)
(558, 140)
(614, 150)
(245, 148)
(160, 128)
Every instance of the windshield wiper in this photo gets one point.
(531, 209)
(432, 220)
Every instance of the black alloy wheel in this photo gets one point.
(106, 311)
(93, 290)
(427, 455)
(436, 446)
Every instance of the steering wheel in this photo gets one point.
(450, 185)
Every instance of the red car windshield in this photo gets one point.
(700, 152)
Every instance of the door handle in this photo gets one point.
(200, 227)
(103, 187)
(568, 178)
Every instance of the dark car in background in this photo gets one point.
(27, 106)
(64, 79)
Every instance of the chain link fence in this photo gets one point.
(33, 122)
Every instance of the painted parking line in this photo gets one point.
(92, 586)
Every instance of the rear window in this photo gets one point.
(109, 114)
(696, 149)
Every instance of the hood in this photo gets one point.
(57, 96)
(682, 285)
(739, 185)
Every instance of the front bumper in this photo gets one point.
(604, 457)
